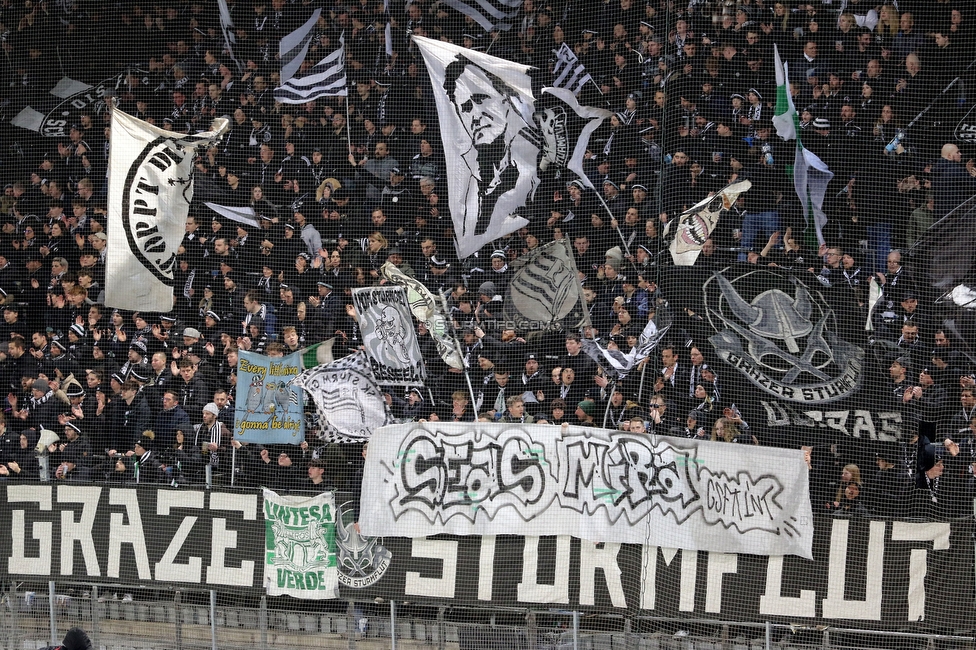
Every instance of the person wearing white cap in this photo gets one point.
(213, 438)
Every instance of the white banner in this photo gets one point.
(350, 405)
(499, 138)
(389, 338)
(594, 484)
(300, 550)
(150, 186)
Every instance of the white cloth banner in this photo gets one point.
(499, 139)
(300, 549)
(389, 336)
(150, 186)
(594, 484)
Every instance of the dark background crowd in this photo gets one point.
(340, 186)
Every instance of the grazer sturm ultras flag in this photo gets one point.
(810, 173)
(499, 139)
(150, 186)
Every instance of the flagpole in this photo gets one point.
(348, 131)
(606, 412)
(610, 213)
(457, 348)
(640, 388)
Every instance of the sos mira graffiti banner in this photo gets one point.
(595, 484)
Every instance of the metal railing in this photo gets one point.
(119, 619)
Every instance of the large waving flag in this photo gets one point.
(294, 47)
(500, 139)
(810, 173)
(490, 14)
(327, 78)
(150, 186)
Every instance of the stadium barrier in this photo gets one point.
(137, 565)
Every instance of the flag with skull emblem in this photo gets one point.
(389, 337)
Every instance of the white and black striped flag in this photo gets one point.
(567, 71)
(327, 78)
(490, 14)
(294, 47)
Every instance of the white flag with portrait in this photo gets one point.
(150, 186)
(499, 139)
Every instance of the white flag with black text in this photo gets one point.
(150, 186)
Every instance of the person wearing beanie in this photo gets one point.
(21, 462)
(140, 464)
(213, 439)
(71, 456)
(585, 411)
(74, 639)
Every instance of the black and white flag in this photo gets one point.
(427, 310)
(327, 78)
(294, 47)
(500, 139)
(389, 337)
(227, 27)
(150, 186)
(53, 114)
(349, 402)
(618, 364)
(489, 14)
(567, 71)
(545, 290)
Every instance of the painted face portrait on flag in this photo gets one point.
(503, 152)
(500, 138)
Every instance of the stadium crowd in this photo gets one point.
(341, 186)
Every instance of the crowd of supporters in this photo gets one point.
(341, 186)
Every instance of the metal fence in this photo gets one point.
(117, 619)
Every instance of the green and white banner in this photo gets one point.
(300, 546)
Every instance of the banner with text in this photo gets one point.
(268, 408)
(864, 573)
(389, 337)
(148, 537)
(300, 549)
(594, 484)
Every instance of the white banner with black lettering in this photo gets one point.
(150, 186)
(389, 338)
(594, 484)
